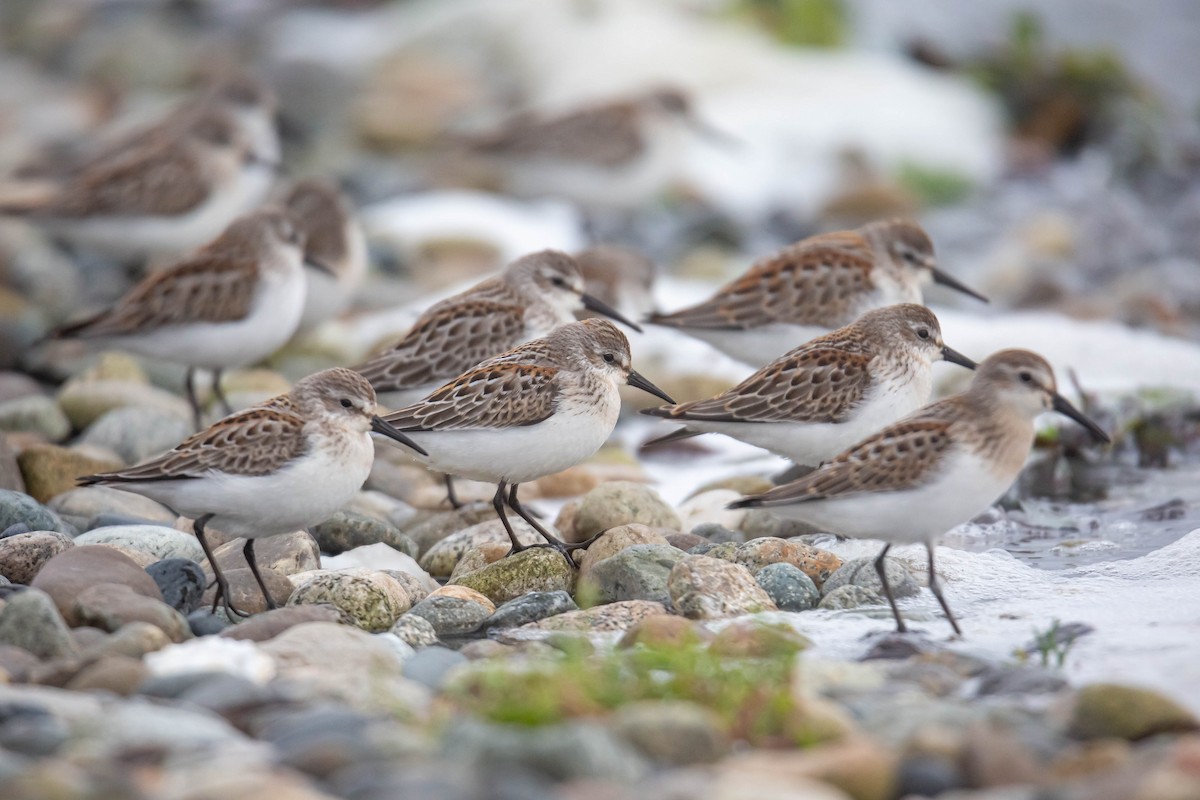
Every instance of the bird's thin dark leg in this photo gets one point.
(452, 495)
(222, 595)
(220, 395)
(936, 588)
(551, 541)
(189, 383)
(498, 504)
(881, 569)
(248, 552)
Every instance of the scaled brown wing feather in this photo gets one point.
(496, 394)
(810, 283)
(809, 385)
(446, 342)
(208, 287)
(256, 441)
(898, 457)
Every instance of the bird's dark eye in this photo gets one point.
(560, 282)
(346, 403)
(609, 358)
(923, 333)
(1026, 377)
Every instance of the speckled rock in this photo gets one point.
(269, 624)
(789, 587)
(530, 608)
(108, 606)
(346, 530)
(49, 470)
(287, 553)
(29, 620)
(438, 526)
(850, 596)
(440, 559)
(479, 557)
(85, 401)
(714, 533)
(454, 614)
(614, 541)
(136, 434)
(415, 630)
(620, 503)
(665, 630)
(758, 553)
(82, 505)
(759, 523)
(1109, 710)
(612, 617)
(636, 573)
(861, 572)
(67, 575)
(22, 555)
(373, 600)
(156, 541)
(539, 569)
(35, 414)
(418, 588)
(674, 732)
(707, 588)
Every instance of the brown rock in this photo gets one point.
(464, 593)
(132, 640)
(685, 541)
(613, 617)
(995, 757)
(564, 523)
(1108, 710)
(479, 557)
(49, 470)
(571, 482)
(287, 553)
(665, 631)
(246, 595)
(108, 606)
(758, 553)
(270, 624)
(614, 541)
(1090, 758)
(862, 768)
(709, 588)
(751, 638)
(68, 574)
(120, 675)
(22, 555)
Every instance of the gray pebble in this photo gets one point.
(18, 507)
(452, 616)
(347, 530)
(31, 621)
(416, 631)
(718, 533)
(861, 572)
(530, 608)
(181, 581)
(788, 586)
(431, 666)
(135, 434)
(636, 573)
(845, 597)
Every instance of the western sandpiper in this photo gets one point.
(815, 401)
(334, 240)
(933, 470)
(533, 411)
(230, 304)
(277, 467)
(812, 287)
(168, 196)
(616, 153)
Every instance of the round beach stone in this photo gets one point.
(156, 541)
(270, 624)
(636, 573)
(67, 575)
(615, 540)
(530, 608)
(861, 572)
(436, 527)
(136, 434)
(347, 530)
(708, 588)
(85, 401)
(432, 666)
(753, 638)
(373, 601)
(789, 588)
(758, 553)
(108, 606)
(181, 582)
(440, 559)
(133, 640)
(18, 508)
(620, 503)
(538, 569)
(850, 596)
(614, 617)
(244, 592)
(415, 630)
(30, 620)
(715, 533)
(454, 613)
(24, 554)
(121, 675)
(49, 470)
(479, 557)
(288, 553)
(674, 732)
(35, 414)
(84, 505)
(1110, 710)
(665, 631)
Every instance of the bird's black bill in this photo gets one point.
(600, 307)
(637, 381)
(385, 428)
(955, 357)
(1063, 407)
(954, 283)
(320, 266)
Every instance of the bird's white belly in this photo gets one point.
(305, 493)
(964, 488)
(519, 454)
(272, 320)
(757, 346)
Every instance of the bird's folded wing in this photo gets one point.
(497, 394)
(149, 181)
